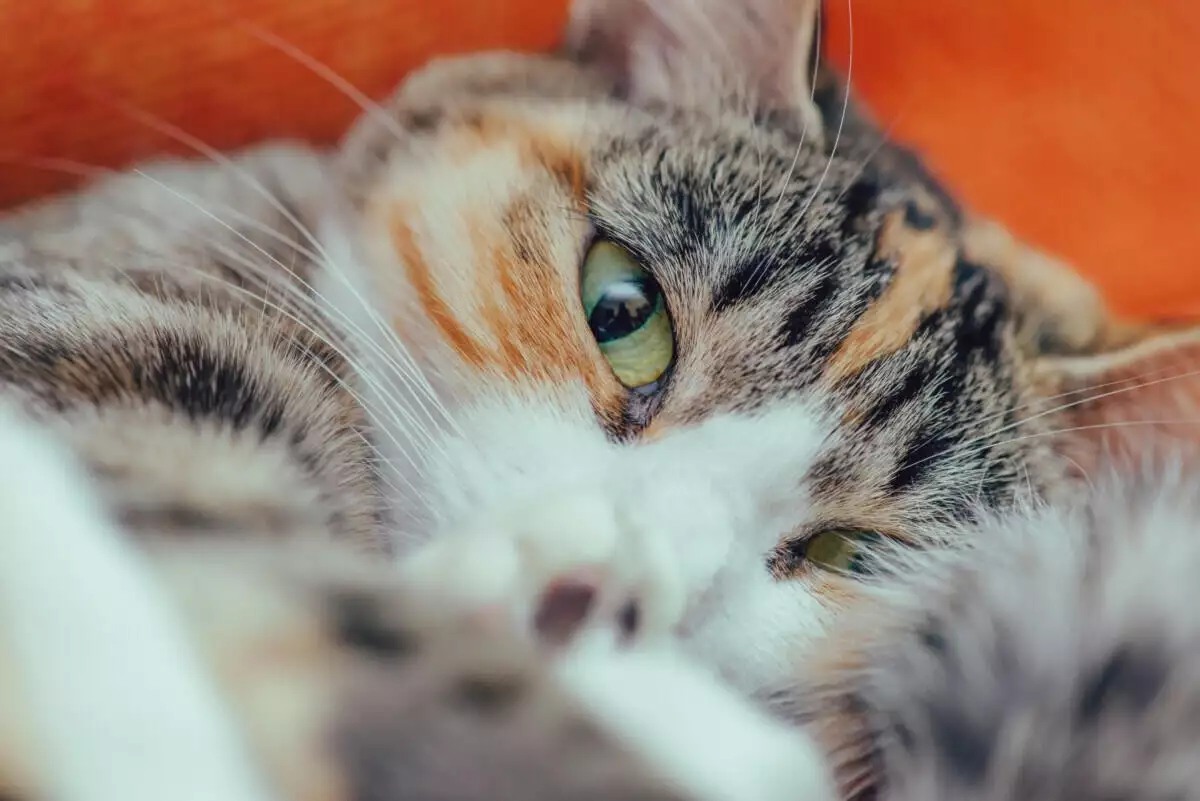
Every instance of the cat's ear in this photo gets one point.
(695, 51)
(1136, 405)
(1120, 390)
(1059, 312)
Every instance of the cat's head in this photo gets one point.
(675, 268)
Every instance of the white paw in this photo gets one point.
(694, 731)
(569, 568)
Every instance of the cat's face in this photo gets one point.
(725, 317)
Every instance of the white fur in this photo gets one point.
(118, 703)
(533, 490)
(525, 486)
(694, 731)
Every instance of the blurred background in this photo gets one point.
(1070, 120)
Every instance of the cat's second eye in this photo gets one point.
(627, 314)
(838, 550)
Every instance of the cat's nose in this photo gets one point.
(563, 609)
(574, 601)
(569, 569)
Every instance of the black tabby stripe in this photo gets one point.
(881, 413)
(973, 327)
(181, 372)
(1133, 677)
(754, 276)
(920, 458)
(798, 325)
(748, 280)
(859, 200)
(915, 217)
(191, 376)
(362, 621)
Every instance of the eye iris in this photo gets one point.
(626, 311)
(622, 309)
(839, 551)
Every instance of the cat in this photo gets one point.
(1041, 655)
(641, 345)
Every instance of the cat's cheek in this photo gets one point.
(468, 249)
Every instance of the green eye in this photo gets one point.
(627, 313)
(839, 550)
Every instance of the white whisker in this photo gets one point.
(390, 336)
(766, 229)
(1051, 411)
(367, 375)
(841, 125)
(1114, 424)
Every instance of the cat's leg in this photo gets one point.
(101, 690)
(695, 731)
(545, 521)
(355, 686)
(392, 695)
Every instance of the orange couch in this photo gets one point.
(1069, 121)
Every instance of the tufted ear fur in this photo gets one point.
(691, 52)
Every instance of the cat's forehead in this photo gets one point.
(722, 188)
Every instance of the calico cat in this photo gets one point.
(645, 345)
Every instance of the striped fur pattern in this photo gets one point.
(1052, 657)
(381, 353)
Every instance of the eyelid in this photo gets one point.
(599, 232)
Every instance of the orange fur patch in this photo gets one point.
(524, 320)
(434, 305)
(526, 309)
(540, 329)
(921, 284)
(517, 313)
(540, 149)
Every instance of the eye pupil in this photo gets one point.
(623, 308)
(626, 312)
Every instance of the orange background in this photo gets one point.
(1074, 120)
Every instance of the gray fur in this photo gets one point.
(1053, 657)
(768, 244)
(156, 321)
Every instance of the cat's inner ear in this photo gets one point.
(689, 52)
